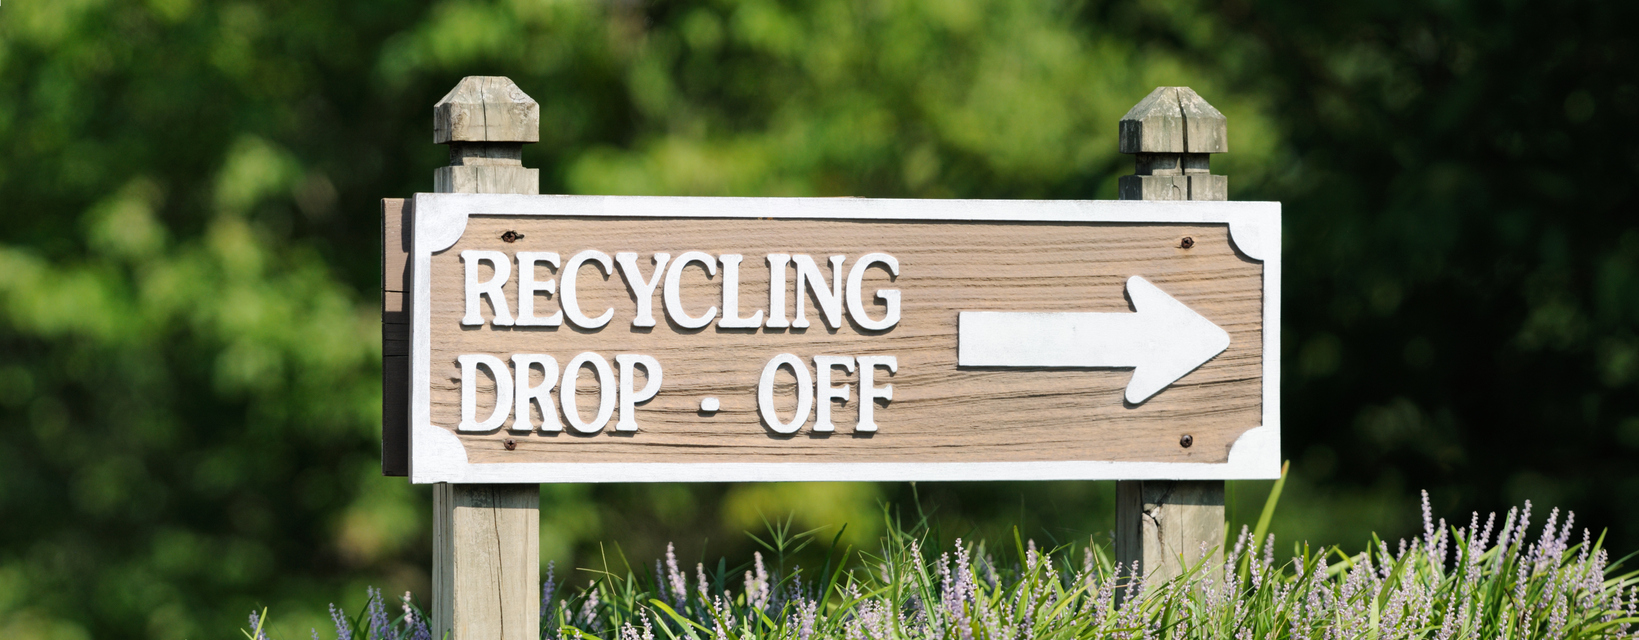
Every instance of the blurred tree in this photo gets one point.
(188, 342)
(1463, 277)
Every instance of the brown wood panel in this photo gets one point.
(396, 232)
(940, 412)
(395, 337)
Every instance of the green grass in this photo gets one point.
(1488, 579)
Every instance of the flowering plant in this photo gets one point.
(1483, 580)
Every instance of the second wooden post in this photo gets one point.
(486, 537)
(1164, 525)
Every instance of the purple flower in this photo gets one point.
(376, 610)
(678, 582)
(416, 625)
(344, 631)
(757, 584)
(548, 588)
(256, 626)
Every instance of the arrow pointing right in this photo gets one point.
(1162, 342)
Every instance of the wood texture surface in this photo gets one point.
(939, 412)
(486, 109)
(487, 179)
(1173, 120)
(1167, 526)
(1206, 130)
(1173, 187)
(486, 573)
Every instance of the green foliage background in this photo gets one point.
(189, 377)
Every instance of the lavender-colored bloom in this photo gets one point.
(723, 617)
(421, 631)
(648, 629)
(589, 608)
(376, 613)
(256, 626)
(415, 626)
(757, 595)
(807, 613)
(549, 588)
(1428, 522)
(675, 579)
(344, 631)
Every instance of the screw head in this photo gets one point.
(1187, 242)
(1184, 442)
(513, 444)
(511, 236)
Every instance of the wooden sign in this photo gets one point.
(633, 339)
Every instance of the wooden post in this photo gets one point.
(486, 538)
(1163, 525)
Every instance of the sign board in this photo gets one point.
(633, 339)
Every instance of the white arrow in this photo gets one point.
(1162, 342)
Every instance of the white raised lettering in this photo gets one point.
(830, 302)
(570, 274)
(469, 391)
(606, 392)
(490, 289)
(889, 297)
(642, 290)
(776, 290)
(628, 398)
(731, 297)
(826, 392)
(540, 394)
(869, 393)
(528, 286)
(674, 294)
(765, 394)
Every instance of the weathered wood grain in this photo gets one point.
(395, 337)
(489, 542)
(1166, 526)
(487, 179)
(1173, 120)
(1206, 130)
(486, 109)
(1173, 187)
(1154, 125)
(939, 412)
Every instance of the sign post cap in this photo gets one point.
(1174, 120)
(486, 109)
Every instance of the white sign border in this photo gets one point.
(436, 454)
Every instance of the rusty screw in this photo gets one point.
(511, 236)
(513, 444)
(1184, 442)
(1187, 243)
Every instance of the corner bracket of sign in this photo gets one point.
(443, 226)
(438, 455)
(1256, 234)
(1257, 448)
